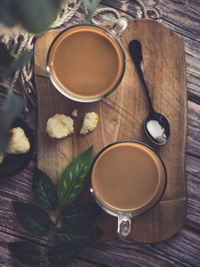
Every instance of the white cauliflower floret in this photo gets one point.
(19, 143)
(89, 123)
(59, 126)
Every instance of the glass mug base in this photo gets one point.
(128, 178)
(86, 62)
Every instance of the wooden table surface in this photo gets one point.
(182, 16)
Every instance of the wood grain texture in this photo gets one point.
(183, 248)
(129, 253)
(193, 144)
(181, 17)
(121, 117)
(7, 258)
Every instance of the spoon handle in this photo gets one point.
(135, 50)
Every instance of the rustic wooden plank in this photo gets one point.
(17, 188)
(193, 192)
(6, 236)
(181, 13)
(137, 254)
(192, 49)
(121, 253)
(193, 203)
(191, 240)
(8, 260)
(169, 253)
(192, 166)
(193, 141)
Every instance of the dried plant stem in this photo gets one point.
(51, 235)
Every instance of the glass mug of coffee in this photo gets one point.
(86, 62)
(128, 178)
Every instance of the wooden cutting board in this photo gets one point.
(121, 117)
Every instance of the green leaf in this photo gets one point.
(72, 233)
(63, 254)
(73, 178)
(36, 15)
(9, 62)
(6, 13)
(44, 191)
(25, 253)
(8, 112)
(33, 219)
(83, 213)
(91, 6)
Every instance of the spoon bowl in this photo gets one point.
(157, 128)
(156, 125)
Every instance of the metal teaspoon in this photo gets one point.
(156, 125)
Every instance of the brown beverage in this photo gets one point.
(85, 62)
(128, 176)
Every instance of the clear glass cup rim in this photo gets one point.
(128, 213)
(89, 100)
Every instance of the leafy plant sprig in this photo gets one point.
(13, 106)
(76, 230)
(35, 16)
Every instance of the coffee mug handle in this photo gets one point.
(120, 26)
(124, 226)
